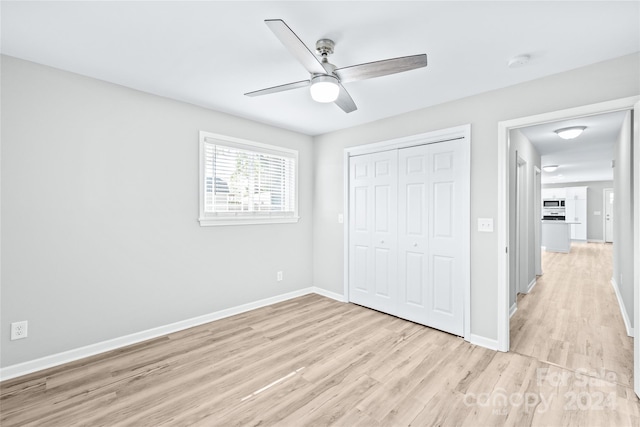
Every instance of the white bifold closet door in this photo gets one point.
(373, 224)
(405, 254)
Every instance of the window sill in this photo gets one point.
(208, 222)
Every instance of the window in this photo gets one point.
(245, 182)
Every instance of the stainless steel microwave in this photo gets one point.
(553, 203)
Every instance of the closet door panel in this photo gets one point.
(382, 277)
(443, 286)
(443, 194)
(372, 230)
(414, 285)
(360, 229)
(360, 264)
(446, 172)
(413, 234)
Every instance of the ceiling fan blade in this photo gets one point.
(381, 68)
(344, 101)
(280, 88)
(295, 46)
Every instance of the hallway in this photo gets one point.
(572, 319)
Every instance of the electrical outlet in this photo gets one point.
(279, 276)
(19, 330)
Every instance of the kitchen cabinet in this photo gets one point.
(576, 211)
(579, 231)
(575, 208)
(553, 193)
(555, 236)
(576, 193)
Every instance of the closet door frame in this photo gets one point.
(462, 132)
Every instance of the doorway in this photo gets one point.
(503, 211)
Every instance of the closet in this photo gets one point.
(408, 250)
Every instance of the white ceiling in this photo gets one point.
(585, 158)
(210, 53)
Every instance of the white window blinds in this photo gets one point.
(246, 181)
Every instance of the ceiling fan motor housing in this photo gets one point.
(324, 47)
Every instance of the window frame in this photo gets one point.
(244, 218)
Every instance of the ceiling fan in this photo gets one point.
(325, 79)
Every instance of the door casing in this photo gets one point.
(605, 204)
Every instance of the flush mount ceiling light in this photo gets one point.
(550, 168)
(571, 132)
(324, 88)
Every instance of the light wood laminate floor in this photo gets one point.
(313, 361)
(572, 317)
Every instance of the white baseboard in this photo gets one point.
(25, 368)
(513, 309)
(31, 366)
(595, 241)
(483, 341)
(325, 293)
(625, 317)
(531, 284)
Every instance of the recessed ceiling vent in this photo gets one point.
(518, 61)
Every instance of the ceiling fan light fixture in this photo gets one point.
(324, 88)
(550, 168)
(570, 132)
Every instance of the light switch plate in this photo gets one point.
(485, 225)
(597, 213)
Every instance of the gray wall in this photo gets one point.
(520, 146)
(595, 199)
(100, 236)
(623, 216)
(604, 81)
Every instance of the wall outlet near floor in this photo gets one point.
(279, 276)
(19, 330)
